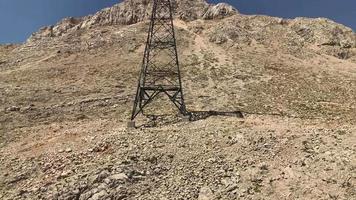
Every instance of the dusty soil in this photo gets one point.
(65, 103)
(252, 158)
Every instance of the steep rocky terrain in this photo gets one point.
(66, 95)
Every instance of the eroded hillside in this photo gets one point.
(66, 95)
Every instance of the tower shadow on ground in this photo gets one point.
(159, 120)
(200, 115)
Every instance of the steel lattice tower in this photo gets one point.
(160, 71)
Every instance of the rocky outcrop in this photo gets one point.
(219, 11)
(293, 36)
(290, 35)
(126, 13)
(188, 10)
(323, 32)
(57, 30)
(134, 11)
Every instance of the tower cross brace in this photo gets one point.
(160, 71)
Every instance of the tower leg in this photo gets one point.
(131, 124)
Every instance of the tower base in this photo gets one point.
(131, 124)
(185, 118)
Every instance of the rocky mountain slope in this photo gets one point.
(67, 92)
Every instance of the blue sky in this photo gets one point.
(19, 18)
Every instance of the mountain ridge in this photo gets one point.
(319, 31)
(133, 11)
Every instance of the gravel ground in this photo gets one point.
(258, 157)
(65, 98)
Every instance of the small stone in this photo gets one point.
(264, 167)
(100, 177)
(226, 182)
(211, 160)
(13, 109)
(107, 181)
(86, 195)
(21, 192)
(65, 174)
(43, 189)
(232, 188)
(100, 195)
(35, 189)
(68, 150)
(266, 145)
(76, 191)
(102, 186)
(47, 166)
(206, 194)
(119, 177)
